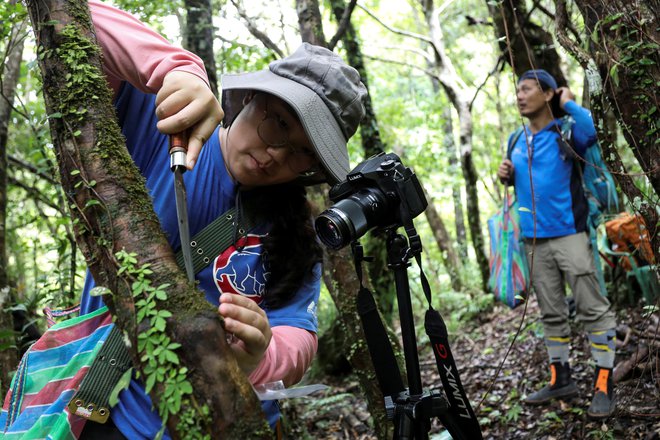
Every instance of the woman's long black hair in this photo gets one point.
(291, 248)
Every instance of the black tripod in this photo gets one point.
(411, 409)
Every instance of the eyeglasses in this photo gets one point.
(274, 132)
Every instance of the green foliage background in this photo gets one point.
(411, 113)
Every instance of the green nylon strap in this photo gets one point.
(215, 238)
(110, 364)
(112, 361)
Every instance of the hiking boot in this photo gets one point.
(561, 386)
(603, 404)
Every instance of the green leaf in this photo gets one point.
(151, 381)
(185, 387)
(164, 313)
(75, 172)
(171, 357)
(159, 324)
(123, 383)
(614, 74)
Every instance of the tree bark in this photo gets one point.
(623, 70)
(449, 257)
(459, 219)
(198, 37)
(524, 44)
(456, 92)
(12, 68)
(382, 279)
(113, 211)
(310, 23)
(338, 271)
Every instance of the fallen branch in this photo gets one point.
(622, 370)
(626, 331)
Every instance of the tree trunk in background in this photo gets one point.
(459, 99)
(450, 150)
(624, 64)
(369, 132)
(310, 23)
(198, 36)
(115, 213)
(449, 257)
(12, 68)
(530, 46)
(381, 277)
(338, 269)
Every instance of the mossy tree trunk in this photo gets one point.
(112, 211)
(524, 44)
(198, 36)
(381, 278)
(623, 72)
(338, 270)
(457, 94)
(444, 242)
(12, 68)
(459, 218)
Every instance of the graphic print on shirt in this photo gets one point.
(242, 272)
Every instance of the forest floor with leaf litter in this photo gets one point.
(340, 412)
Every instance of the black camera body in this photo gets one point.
(378, 193)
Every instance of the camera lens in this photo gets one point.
(350, 218)
(332, 229)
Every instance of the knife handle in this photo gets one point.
(178, 150)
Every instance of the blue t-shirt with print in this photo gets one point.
(559, 201)
(210, 192)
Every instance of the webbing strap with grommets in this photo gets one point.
(110, 364)
(215, 238)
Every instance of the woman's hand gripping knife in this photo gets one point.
(153, 65)
(185, 102)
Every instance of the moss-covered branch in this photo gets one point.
(112, 211)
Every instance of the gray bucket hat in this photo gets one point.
(325, 93)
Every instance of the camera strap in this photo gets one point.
(380, 347)
(460, 420)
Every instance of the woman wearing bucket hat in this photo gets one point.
(285, 127)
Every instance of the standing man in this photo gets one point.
(553, 218)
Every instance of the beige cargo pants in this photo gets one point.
(555, 262)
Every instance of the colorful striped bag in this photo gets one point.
(509, 274)
(48, 376)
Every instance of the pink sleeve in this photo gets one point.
(289, 354)
(132, 52)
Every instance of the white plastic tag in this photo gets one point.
(276, 390)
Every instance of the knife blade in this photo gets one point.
(178, 150)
